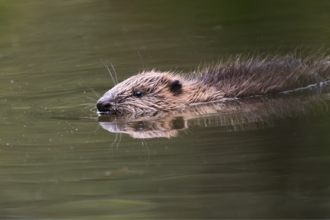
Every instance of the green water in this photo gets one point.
(260, 158)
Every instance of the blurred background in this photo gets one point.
(56, 161)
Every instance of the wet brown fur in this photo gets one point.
(235, 78)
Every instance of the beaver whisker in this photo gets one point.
(115, 73)
(141, 60)
(89, 98)
(95, 93)
(114, 82)
(140, 106)
(89, 104)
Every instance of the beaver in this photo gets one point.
(238, 77)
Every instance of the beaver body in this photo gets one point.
(153, 91)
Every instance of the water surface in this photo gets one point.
(265, 157)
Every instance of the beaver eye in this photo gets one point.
(138, 94)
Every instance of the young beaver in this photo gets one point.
(152, 91)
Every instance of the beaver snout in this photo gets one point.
(103, 106)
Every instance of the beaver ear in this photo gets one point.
(175, 86)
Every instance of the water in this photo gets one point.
(264, 157)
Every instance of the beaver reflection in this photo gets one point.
(240, 114)
(143, 128)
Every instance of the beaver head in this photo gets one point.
(146, 92)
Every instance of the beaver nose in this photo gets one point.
(103, 106)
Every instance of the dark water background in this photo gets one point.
(57, 161)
